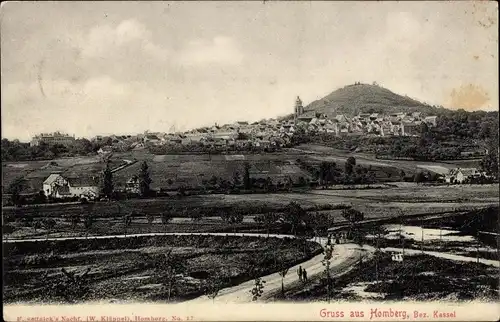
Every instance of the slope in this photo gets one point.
(363, 98)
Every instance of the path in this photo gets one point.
(140, 235)
(448, 256)
(345, 256)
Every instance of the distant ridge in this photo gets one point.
(364, 98)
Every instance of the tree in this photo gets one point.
(489, 163)
(419, 177)
(15, 189)
(40, 197)
(74, 219)
(324, 173)
(318, 223)
(49, 224)
(246, 176)
(127, 221)
(144, 180)
(236, 179)
(268, 219)
(107, 181)
(195, 215)
(170, 266)
(88, 222)
(349, 165)
(214, 286)
(268, 184)
(37, 224)
(71, 287)
(258, 289)
(294, 216)
(166, 218)
(283, 273)
(328, 251)
(354, 217)
(402, 174)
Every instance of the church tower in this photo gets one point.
(299, 109)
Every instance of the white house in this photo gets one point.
(460, 175)
(58, 186)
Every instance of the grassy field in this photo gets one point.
(376, 203)
(133, 269)
(35, 172)
(408, 199)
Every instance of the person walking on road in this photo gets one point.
(304, 277)
(299, 272)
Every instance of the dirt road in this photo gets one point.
(345, 256)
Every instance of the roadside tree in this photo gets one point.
(283, 273)
(328, 253)
(170, 267)
(258, 289)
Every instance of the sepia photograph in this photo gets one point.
(250, 160)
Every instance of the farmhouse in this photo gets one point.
(58, 186)
(460, 175)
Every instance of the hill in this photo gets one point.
(363, 98)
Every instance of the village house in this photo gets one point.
(410, 128)
(431, 120)
(151, 139)
(133, 185)
(107, 149)
(58, 186)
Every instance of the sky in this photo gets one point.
(98, 68)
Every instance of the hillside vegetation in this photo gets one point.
(364, 98)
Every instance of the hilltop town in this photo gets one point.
(265, 135)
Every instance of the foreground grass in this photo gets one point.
(419, 277)
(129, 269)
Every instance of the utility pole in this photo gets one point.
(441, 233)
(401, 233)
(377, 252)
(422, 243)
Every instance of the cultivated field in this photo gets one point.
(330, 154)
(173, 171)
